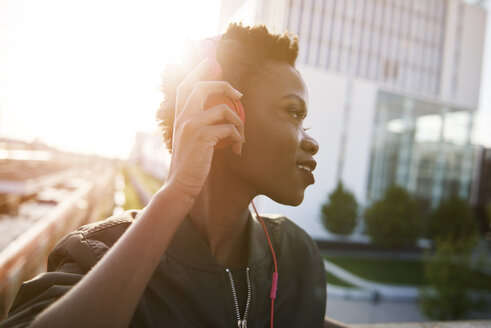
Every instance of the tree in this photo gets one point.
(449, 278)
(453, 220)
(393, 221)
(340, 212)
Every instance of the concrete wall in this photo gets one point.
(359, 138)
(474, 23)
(463, 54)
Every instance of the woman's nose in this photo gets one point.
(309, 144)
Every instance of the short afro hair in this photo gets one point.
(242, 53)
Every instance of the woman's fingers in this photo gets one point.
(198, 132)
(216, 116)
(223, 113)
(185, 87)
(192, 84)
(202, 89)
(215, 133)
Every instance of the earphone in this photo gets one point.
(208, 50)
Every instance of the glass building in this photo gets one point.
(422, 146)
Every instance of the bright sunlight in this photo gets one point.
(84, 75)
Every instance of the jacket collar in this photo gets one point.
(188, 247)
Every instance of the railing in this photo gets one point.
(27, 255)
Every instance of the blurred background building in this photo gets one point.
(150, 154)
(394, 88)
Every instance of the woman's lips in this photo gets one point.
(306, 172)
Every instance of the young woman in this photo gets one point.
(195, 256)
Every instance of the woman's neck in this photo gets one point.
(220, 215)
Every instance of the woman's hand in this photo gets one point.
(134, 257)
(197, 131)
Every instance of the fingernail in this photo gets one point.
(238, 93)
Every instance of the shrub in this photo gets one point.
(449, 277)
(340, 211)
(393, 221)
(453, 220)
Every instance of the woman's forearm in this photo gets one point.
(108, 294)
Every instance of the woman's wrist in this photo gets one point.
(176, 194)
(179, 191)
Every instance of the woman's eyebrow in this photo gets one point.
(297, 98)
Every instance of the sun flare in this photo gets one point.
(84, 76)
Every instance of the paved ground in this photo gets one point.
(372, 302)
(353, 311)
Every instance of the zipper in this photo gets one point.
(240, 323)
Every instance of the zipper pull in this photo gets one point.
(244, 323)
(239, 323)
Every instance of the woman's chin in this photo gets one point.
(293, 199)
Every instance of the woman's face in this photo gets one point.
(278, 154)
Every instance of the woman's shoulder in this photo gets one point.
(287, 233)
(86, 245)
(297, 252)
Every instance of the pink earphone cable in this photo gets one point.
(274, 283)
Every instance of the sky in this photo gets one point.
(84, 75)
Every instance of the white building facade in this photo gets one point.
(394, 86)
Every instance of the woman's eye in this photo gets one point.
(297, 113)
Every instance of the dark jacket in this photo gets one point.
(188, 288)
